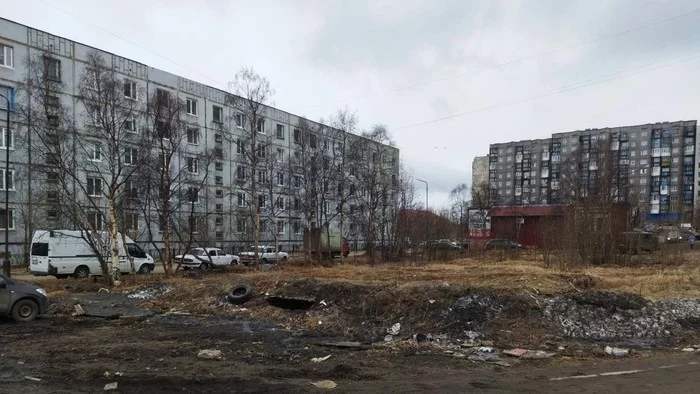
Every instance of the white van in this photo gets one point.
(63, 253)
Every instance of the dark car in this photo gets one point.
(502, 244)
(24, 302)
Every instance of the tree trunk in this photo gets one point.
(114, 239)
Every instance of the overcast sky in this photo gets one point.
(498, 70)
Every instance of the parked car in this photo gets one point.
(503, 244)
(266, 254)
(206, 259)
(23, 302)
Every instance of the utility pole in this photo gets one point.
(6, 259)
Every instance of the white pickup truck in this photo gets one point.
(206, 259)
(266, 254)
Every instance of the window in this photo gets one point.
(312, 141)
(11, 140)
(52, 214)
(131, 156)
(219, 221)
(94, 187)
(52, 195)
(297, 227)
(191, 107)
(193, 136)
(192, 195)
(7, 220)
(130, 89)
(239, 146)
(240, 173)
(8, 180)
(261, 201)
(94, 114)
(132, 190)
(219, 166)
(219, 193)
(218, 137)
(239, 120)
(94, 221)
(240, 225)
(162, 130)
(193, 224)
(131, 221)
(280, 132)
(260, 127)
(130, 125)
(218, 113)
(219, 208)
(280, 227)
(262, 176)
(219, 180)
(280, 155)
(280, 203)
(280, 178)
(297, 136)
(52, 102)
(297, 204)
(192, 165)
(52, 69)
(241, 199)
(325, 144)
(262, 150)
(297, 181)
(7, 56)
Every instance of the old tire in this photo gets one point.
(145, 269)
(81, 272)
(25, 310)
(239, 294)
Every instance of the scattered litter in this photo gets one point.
(688, 349)
(486, 349)
(431, 301)
(111, 386)
(323, 302)
(20, 362)
(209, 354)
(388, 338)
(616, 351)
(325, 384)
(319, 359)
(150, 292)
(103, 290)
(471, 334)
(561, 348)
(106, 374)
(422, 337)
(459, 355)
(483, 357)
(79, 311)
(320, 322)
(118, 374)
(394, 330)
(32, 378)
(537, 354)
(515, 352)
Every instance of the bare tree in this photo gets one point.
(251, 94)
(459, 196)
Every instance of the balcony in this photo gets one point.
(656, 152)
(656, 171)
(689, 150)
(519, 158)
(545, 156)
(664, 190)
(615, 145)
(665, 152)
(545, 173)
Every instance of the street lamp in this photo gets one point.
(6, 260)
(426, 192)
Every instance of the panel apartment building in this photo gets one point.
(206, 108)
(653, 166)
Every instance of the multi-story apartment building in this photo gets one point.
(652, 166)
(224, 195)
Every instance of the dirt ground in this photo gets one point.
(151, 343)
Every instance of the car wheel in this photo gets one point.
(145, 269)
(264, 260)
(234, 262)
(25, 310)
(81, 272)
(205, 267)
(240, 293)
(285, 258)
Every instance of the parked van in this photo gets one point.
(62, 253)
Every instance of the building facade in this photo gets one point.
(207, 112)
(480, 170)
(652, 166)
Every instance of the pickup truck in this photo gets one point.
(206, 259)
(266, 254)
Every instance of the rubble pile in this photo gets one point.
(607, 316)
